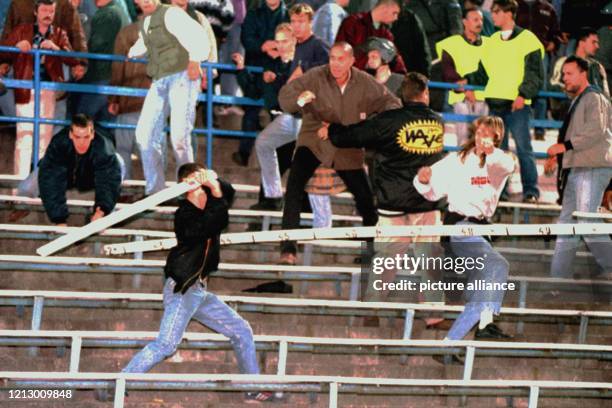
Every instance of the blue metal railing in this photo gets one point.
(208, 97)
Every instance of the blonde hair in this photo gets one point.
(302, 8)
(495, 123)
(284, 27)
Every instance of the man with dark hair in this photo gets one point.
(583, 154)
(460, 55)
(403, 140)
(198, 222)
(41, 34)
(586, 47)
(333, 93)
(511, 67)
(79, 157)
(357, 28)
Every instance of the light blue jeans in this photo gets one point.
(126, 142)
(206, 308)
(583, 192)
(179, 93)
(282, 130)
(495, 271)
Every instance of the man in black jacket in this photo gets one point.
(79, 157)
(198, 222)
(404, 139)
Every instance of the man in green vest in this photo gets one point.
(460, 55)
(513, 72)
(175, 45)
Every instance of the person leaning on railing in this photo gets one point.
(39, 35)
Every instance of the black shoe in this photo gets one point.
(530, 199)
(492, 332)
(239, 159)
(449, 359)
(268, 204)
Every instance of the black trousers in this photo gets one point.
(303, 167)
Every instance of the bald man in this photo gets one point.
(333, 93)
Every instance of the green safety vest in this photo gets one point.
(504, 62)
(466, 58)
(166, 54)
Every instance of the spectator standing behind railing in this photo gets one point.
(40, 35)
(66, 18)
(327, 20)
(540, 17)
(512, 70)
(460, 55)
(105, 26)
(175, 45)
(357, 28)
(411, 42)
(258, 40)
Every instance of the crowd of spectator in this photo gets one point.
(514, 48)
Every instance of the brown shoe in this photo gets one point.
(288, 258)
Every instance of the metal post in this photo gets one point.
(137, 278)
(209, 116)
(265, 223)
(282, 357)
(75, 354)
(333, 395)
(119, 393)
(469, 363)
(354, 291)
(36, 124)
(534, 393)
(36, 319)
(584, 324)
(522, 303)
(467, 370)
(408, 323)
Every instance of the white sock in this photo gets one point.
(486, 317)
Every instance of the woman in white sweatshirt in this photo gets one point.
(472, 181)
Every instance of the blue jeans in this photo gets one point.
(583, 192)
(232, 44)
(517, 123)
(93, 105)
(495, 271)
(206, 308)
(176, 95)
(282, 130)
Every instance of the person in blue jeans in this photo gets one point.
(584, 154)
(198, 222)
(512, 71)
(472, 181)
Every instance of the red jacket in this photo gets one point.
(23, 64)
(356, 29)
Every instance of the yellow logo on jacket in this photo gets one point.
(421, 137)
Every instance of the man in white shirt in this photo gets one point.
(175, 45)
